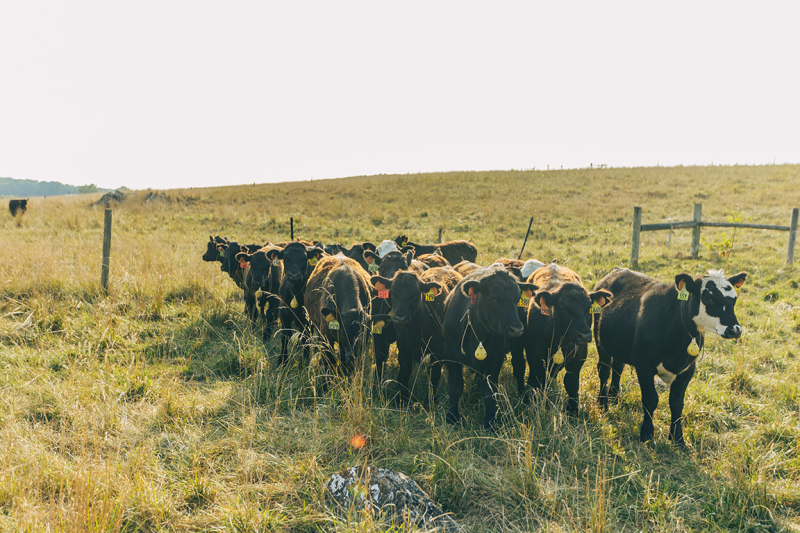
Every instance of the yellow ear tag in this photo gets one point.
(404, 244)
(313, 261)
(430, 296)
(294, 303)
(377, 328)
(683, 294)
(266, 305)
(480, 352)
(373, 267)
(693, 348)
(333, 325)
(595, 309)
(524, 301)
(558, 358)
(259, 292)
(276, 262)
(335, 345)
(330, 318)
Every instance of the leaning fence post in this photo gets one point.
(697, 216)
(291, 228)
(106, 251)
(792, 237)
(637, 229)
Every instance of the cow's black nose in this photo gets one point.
(584, 339)
(514, 331)
(733, 332)
(400, 319)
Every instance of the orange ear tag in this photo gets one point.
(384, 294)
(473, 296)
(546, 311)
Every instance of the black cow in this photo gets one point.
(296, 270)
(356, 253)
(453, 251)
(214, 249)
(480, 314)
(262, 280)
(658, 328)
(18, 206)
(559, 327)
(417, 306)
(388, 266)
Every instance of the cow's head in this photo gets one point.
(351, 333)
(260, 266)
(406, 291)
(393, 262)
(496, 296)
(296, 257)
(401, 241)
(568, 306)
(213, 249)
(229, 252)
(712, 298)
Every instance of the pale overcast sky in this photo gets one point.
(171, 94)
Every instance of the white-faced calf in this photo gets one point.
(658, 328)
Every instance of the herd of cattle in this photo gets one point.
(466, 315)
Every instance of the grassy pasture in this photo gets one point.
(157, 408)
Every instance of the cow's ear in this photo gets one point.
(409, 257)
(313, 252)
(528, 288)
(601, 297)
(279, 255)
(369, 246)
(385, 283)
(272, 254)
(738, 280)
(370, 256)
(243, 257)
(434, 286)
(437, 251)
(211, 238)
(471, 285)
(545, 301)
(686, 281)
(517, 272)
(220, 247)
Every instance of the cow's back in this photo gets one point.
(315, 294)
(554, 274)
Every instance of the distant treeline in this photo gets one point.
(24, 188)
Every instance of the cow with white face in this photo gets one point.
(659, 328)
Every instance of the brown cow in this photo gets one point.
(465, 267)
(337, 297)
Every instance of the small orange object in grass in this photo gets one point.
(358, 441)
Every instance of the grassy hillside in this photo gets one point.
(156, 408)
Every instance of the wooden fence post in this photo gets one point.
(696, 217)
(440, 235)
(637, 230)
(291, 228)
(106, 251)
(792, 237)
(526, 239)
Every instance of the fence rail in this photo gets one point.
(697, 223)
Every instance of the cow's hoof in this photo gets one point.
(645, 437)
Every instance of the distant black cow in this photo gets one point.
(480, 314)
(658, 328)
(417, 305)
(214, 251)
(559, 327)
(18, 206)
(296, 257)
(356, 253)
(453, 251)
(337, 297)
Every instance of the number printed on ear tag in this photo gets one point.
(524, 301)
(377, 330)
(373, 267)
(384, 294)
(334, 325)
(276, 262)
(429, 296)
(312, 261)
(595, 309)
(683, 294)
